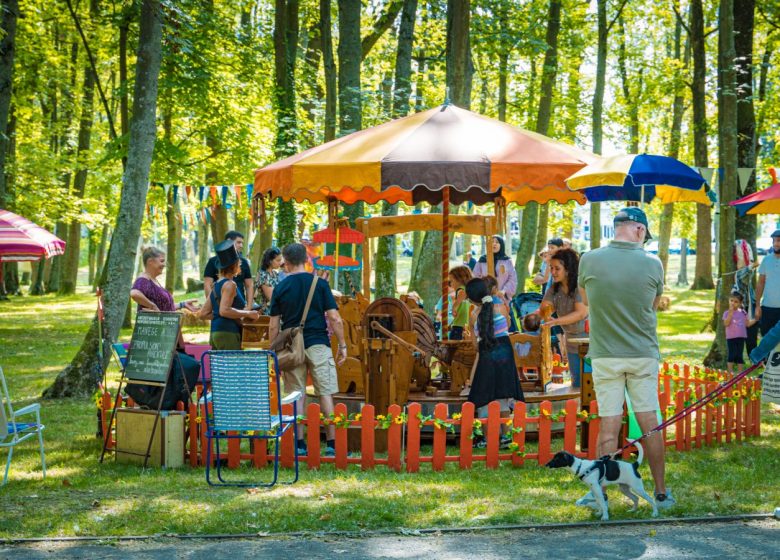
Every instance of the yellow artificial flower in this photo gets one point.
(380, 416)
(358, 417)
(457, 416)
(398, 420)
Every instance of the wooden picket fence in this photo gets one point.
(732, 417)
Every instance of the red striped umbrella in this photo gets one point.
(22, 240)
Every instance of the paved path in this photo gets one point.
(754, 540)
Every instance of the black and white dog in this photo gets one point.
(604, 472)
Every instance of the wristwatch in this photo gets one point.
(344, 346)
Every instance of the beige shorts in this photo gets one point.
(319, 358)
(614, 377)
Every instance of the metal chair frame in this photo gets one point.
(271, 428)
(12, 432)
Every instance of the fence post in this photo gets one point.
(394, 439)
(518, 459)
(738, 412)
(679, 426)
(699, 415)
(206, 442)
(757, 409)
(367, 445)
(287, 453)
(719, 423)
(413, 437)
(340, 411)
(439, 438)
(687, 421)
(663, 402)
(313, 435)
(493, 434)
(545, 432)
(686, 376)
(466, 431)
(570, 426)
(593, 431)
(193, 434)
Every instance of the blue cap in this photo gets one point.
(634, 214)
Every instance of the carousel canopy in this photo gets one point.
(412, 159)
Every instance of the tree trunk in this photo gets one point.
(286, 27)
(91, 258)
(329, 67)
(727, 134)
(10, 11)
(702, 276)
(203, 246)
(386, 253)
(55, 270)
(173, 244)
(460, 69)
(534, 230)
(101, 255)
(678, 107)
(81, 376)
(744, 16)
(36, 288)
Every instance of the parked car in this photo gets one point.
(763, 245)
(652, 247)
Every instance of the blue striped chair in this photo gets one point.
(241, 401)
(13, 432)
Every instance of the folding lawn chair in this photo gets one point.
(12, 433)
(241, 403)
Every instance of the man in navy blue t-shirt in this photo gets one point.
(243, 279)
(287, 304)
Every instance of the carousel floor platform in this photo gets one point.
(555, 392)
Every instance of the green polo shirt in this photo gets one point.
(621, 282)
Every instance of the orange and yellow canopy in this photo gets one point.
(412, 159)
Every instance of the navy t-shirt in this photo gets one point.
(289, 299)
(212, 271)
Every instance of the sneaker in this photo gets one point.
(665, 501)
(329, 452)
(479, 443)
(505, 442)
(588, 500)
(302, 451)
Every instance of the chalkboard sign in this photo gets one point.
(152, 346)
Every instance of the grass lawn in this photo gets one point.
(38, 336)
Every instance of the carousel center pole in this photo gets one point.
(445, 261)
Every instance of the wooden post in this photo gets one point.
(593, 431)
(493, 434)
(341, 437)
(445, 260)
(519, 438)
(394, 440)
(545, 432)
(466, 429)
(287, 445)
(366, 261)
(439, 438)
(413, 438)
(367, 438)
(570, 427)
(313, 435)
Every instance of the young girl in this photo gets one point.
(495, 375)
(459, 276)
(736, 322)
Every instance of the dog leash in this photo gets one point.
(722, 386)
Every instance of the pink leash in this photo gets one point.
(723, 386)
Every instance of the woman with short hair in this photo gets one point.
(147, 292)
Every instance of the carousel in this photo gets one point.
(443, 156)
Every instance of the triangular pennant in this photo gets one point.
(201, 190)
(707, 173)
(224, 195)
(249, 189)
(213, 192)
(187, 192)
(744, 174)
(175, 193)
(166, 188)
(239, 189)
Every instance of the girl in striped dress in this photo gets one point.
(495, 375)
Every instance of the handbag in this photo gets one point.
(288, 344)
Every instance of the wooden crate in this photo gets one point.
(133, 428)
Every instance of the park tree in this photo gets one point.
(728, 151)
(80, 378)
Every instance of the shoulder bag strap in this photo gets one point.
(308, 300)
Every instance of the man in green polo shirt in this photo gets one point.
(621, 285)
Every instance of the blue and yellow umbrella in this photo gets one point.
(640, 178)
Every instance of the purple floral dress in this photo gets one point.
(155, 293)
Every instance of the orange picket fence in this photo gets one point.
(731, 417)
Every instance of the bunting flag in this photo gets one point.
(249, 188)
(238, 189)
(213, 193)
(187, 192)
(175, 193)
(224, 195)
(201, 190)
(744, 174)
(707, 173)
(208, 216)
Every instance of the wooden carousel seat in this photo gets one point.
(533, 358)
(255, 334)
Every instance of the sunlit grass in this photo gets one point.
(38, 336)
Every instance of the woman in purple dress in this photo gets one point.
(148, 293)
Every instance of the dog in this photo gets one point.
(605, 472)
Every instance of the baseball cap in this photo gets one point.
(557, 241)
(633, 214)
(775, 233)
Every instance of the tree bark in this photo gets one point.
(286, 26)
(70, 269)
(329, 67)
(702, 276)
(460, 68)
(386, 252)
(727, 135)
(535, 216)
(80, 378)
(10, 11)
(744, 18)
